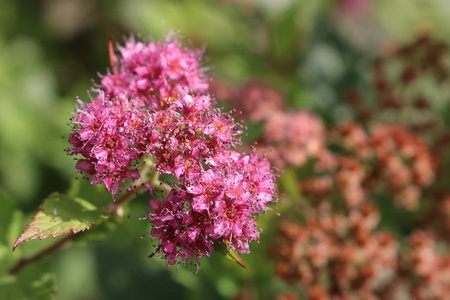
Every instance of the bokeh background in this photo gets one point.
(312, 52)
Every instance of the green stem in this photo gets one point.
(155, 183)
(153, 178)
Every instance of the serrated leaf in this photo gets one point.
(36, 281)
(229, 253)
(60, 214)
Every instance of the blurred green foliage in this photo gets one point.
(49, 52)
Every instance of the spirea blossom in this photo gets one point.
(189, 131)
(218, 204)
(151, 105)
(109, 135)
(151, 71)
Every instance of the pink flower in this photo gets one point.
(233, 222)
(258, 180)
(108, 135)
(206, 190)
(181, 233)
(151, 71)
(190, 132)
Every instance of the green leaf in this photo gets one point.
(10, 222)
(289, 184)
(60, 214)
(36, 281)
(229, 253)
(94, 193)
(286, 33)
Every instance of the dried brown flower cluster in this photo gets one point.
(339, 255)
(375, 268)
(387, 160)
(339, 252)
(409, 85)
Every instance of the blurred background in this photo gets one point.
(311, 52)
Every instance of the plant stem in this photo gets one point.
(24, 261)
(112, 207)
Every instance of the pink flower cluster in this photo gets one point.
(149, 72)
(152, 105)
(221, 202)
(110, 135)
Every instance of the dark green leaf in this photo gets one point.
(289, 184)
(96, 194)
(36, 281)
(10, 223)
